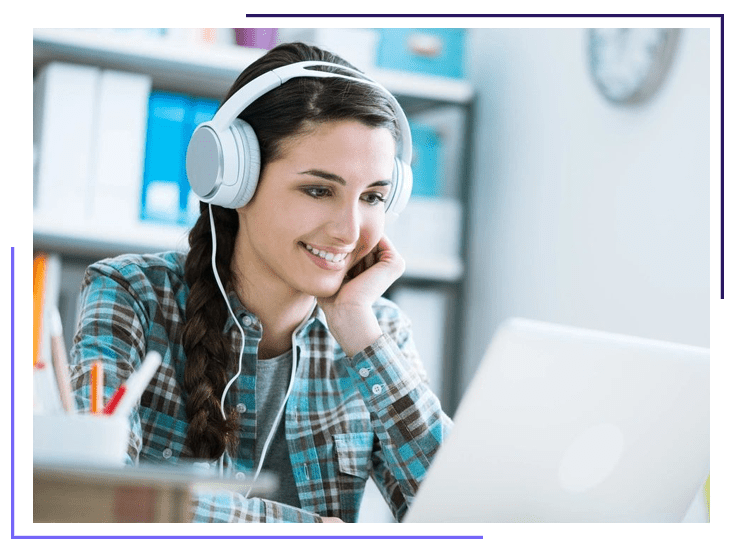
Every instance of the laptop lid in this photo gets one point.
(562, 424)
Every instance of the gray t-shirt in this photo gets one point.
(272, 381)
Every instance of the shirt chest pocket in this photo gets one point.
(354, 453)
(163, 436)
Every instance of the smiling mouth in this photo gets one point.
(328, 256)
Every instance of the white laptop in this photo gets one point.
(570, 425)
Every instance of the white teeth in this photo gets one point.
(328, 256)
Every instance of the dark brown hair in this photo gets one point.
(288, 111)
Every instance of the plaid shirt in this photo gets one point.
(347, 418)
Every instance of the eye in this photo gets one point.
(317, 192)
(373, 198)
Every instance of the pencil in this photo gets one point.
(39, 277)
(97, 387)
(114, 401)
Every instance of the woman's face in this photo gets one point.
(317, 210)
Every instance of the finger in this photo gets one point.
(385, 244)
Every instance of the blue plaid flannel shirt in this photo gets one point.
(346, 419)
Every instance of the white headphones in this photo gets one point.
(223, 158)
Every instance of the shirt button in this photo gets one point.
(241, 408)
(167, 453)
(240, 475)
(247, 321)
(364, 372)
(377, 389)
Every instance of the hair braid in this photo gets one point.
(205, 345)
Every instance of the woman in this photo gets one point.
(304, 333)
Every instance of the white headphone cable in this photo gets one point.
(232, 314)
(240, 360)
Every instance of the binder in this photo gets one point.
(166, 195)
(64, 111)
(164, 157)
(121, 128)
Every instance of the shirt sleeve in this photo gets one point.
(231, 507)
(113, 329)
(410, 424)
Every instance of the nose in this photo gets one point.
(345, 223)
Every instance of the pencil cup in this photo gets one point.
(80, 439)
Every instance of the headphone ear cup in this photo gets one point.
(402, 187)
(249, 162)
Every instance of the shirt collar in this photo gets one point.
(254, 324)
(248, 320)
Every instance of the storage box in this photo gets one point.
(426, 162)
(437, 51)
(261, 38)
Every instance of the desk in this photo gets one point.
(147, 493)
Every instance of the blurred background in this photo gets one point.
(560, 174)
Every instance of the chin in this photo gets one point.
(324, 289)
(324, 292)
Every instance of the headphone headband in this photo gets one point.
(256, 88)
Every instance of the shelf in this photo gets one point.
(203, 69)
(104, 241)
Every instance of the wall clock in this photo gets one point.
(629, 64)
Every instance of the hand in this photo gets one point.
(331, 520)
(349, 312)
(368, 279)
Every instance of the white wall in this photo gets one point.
(583, 212)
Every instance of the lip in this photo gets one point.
(321, 262)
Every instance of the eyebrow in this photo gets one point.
(338, 179)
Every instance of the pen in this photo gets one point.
(137, 382)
